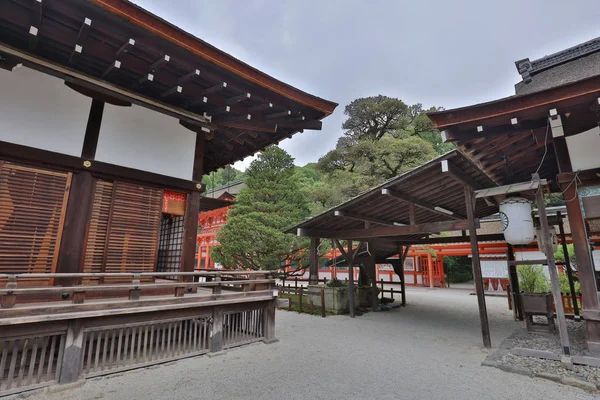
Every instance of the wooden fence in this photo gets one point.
(54, 334)
(303, 302)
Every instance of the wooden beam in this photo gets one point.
(314, 261)
(36, 15)
(279, 114)
(175, 89)
(299, 124)
(363, 218)
(114, 65)
(125, 48)
(453, 171)
(411, 213)
(443, 226)
(479, 289)
(494, 237)
(213, 89)
(247, 125)
(71, 75)
(92, 131)
(84, 31)
(33, 37)
(199, 150)
(422, 204)
(75, 54)
(158, 64)
(149, 77)
(260, 107)
(237, 99)
(190, 76)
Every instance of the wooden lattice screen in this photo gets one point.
(32, 209)
(124, 228)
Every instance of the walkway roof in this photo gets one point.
(435, 190)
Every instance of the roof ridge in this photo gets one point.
(527, 68)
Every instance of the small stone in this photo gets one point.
(578, 383)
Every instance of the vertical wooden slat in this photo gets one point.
(146, 342)
(169, 331)
(34, 352)
(187, 324)
(126, 335)
(42, 359)
(61, 339)
(119, 345)
(23, 362)
(13, 363)
(112, 348)
(194, 333)
(105, 349)
(4, 356)
(51, 357)
(97, 356)
(90, 350)
(152, 348)
(139, 342)
(134, 331)
(179, 341)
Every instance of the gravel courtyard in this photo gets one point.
(430, 349)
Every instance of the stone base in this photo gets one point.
(270, 341)
(66, 386)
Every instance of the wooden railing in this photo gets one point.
(89, 332)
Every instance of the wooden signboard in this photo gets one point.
(174, 203)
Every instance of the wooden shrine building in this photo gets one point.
(109, 117)
(551, 127)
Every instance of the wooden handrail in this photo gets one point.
(129, 274)
(70, 289)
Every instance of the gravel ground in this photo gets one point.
(548, 342)
(430, 349)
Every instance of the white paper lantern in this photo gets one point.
(517, 221)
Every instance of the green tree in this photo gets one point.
(253, 237)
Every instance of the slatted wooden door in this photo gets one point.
(124, 228)
(32, 210)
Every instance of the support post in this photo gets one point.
(585, 267)
(313, 278)
(77, 216)
(483, 317)
(270, 323)
(350, 260)
(216, 330)
(372, 270)
(558, 304)
(563, 240)
(72, 356)
(514, 285)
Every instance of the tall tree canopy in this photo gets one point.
(383, 138)
(253, 237)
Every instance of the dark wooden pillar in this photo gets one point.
(192, 209)
(77, 216)
(514, 284)
(563, 240)
(350, 261)
(79, 204)
(585, 267)
(313, 278)
(483, 317)
(371, 267)
(92, 132)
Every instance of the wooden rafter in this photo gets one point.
(421, 204)
(363, 218)
(443, 226)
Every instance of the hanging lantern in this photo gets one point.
(542, 241)
(517, 221)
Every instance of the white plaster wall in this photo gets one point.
(596, 256)
(583, 149)
(38, 110)
(139, 138)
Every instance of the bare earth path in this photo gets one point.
(428, 350)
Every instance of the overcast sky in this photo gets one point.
(436, 52)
